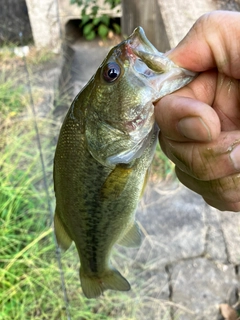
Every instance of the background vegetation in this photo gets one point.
(94, 20)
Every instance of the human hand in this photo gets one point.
(200, 123)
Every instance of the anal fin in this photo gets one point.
(63, 239)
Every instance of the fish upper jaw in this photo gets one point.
(158, 71)
(138, 41)
(161, 74)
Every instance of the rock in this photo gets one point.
(230, 222)
(173, 219)
(200, 285)
(21, 51)
(149, 281)
(45, 24)
(150, 289)
(215, 241)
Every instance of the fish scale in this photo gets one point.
(104, 151)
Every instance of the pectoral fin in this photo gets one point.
(145, 182)
(132, 238)
(63, 239)
(116, 182)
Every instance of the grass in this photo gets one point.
(162, 167)
(30, 286)
(29, 277)
(11, 96)
(34, 56)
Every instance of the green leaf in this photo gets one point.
(96, 21)
(117, 28)
(112, 3)
(85, 19)
(94, 11)
(105, 19)
(91, 35)
(78, 2)
(87, 29)
(84, 11)
(103, 30)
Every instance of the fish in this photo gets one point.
(105, 147)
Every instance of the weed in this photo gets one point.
(162, 168)
(94, 20)
(12, 97)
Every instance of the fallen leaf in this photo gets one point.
(228, 312)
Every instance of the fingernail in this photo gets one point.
(194, 128)
(235, 157)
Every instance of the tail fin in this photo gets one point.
(94, 286)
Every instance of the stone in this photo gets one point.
(201, 285)
(179, 16)
(149, 282)
(173, 220)
(230, 222)
(150, 289)
(215, 241)
(45, 23)
(14, 20)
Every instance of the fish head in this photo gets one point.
(120, 116)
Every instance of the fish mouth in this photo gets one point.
(156, 71)
(155, 68)
(155, 75)
(138, 41)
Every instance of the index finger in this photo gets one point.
(187, 114)
(213, 41)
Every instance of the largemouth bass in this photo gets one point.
(105, 147)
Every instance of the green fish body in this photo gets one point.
(105, 147)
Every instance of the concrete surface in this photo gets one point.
(44, 21)
(188, 262)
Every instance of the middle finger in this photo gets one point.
(205, 161)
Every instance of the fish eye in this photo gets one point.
(111, 72)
